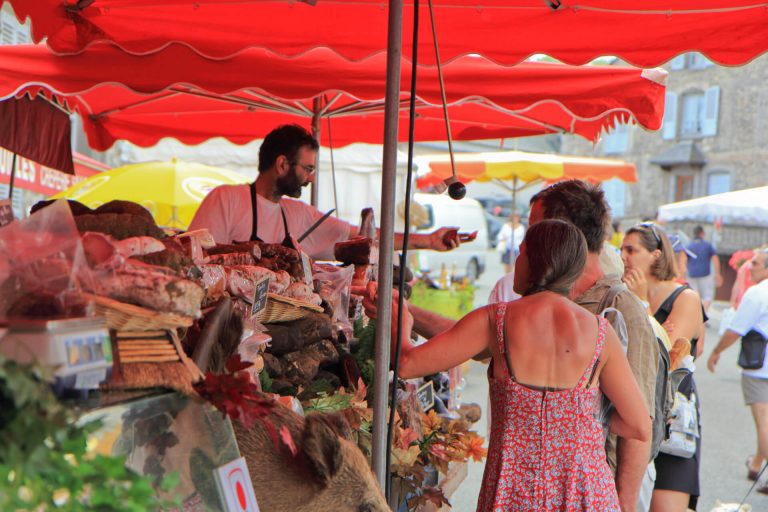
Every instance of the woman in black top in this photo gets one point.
(649, 271)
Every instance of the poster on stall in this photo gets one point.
(6, 212)
(235, 488)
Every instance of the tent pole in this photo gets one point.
(386, 242)
(316, 106)
(514, 195)
(13, 178)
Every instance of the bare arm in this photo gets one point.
(436, 240)
(729, 338)
(716, 269)
(631, 419)
(465, 339)
(429, 324)
(685, 320)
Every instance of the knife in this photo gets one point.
(315, 225)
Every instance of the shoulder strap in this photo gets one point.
(255, 217)
(501, 310)
(665, 309)
(589, 373)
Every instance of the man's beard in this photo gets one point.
(289, 185)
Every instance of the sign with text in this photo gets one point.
(426, 395)
(6, 212)
(235, 488)
(260, 292)
(307, 266)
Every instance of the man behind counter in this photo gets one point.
(286, 164)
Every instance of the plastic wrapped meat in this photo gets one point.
(138, 245)
(214, 280)
(154, 290)
(278, 281)
(301, 291)
(231, 258)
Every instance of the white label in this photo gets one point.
(90, 379)
(235, 488)
(307, 268)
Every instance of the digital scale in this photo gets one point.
(79, 350)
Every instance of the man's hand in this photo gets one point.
(636, 282)
(444, 239)
(714, 357)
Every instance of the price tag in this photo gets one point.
(235, 488)
(426, 396)
(6, 212)
(260, 293)
(307, 265)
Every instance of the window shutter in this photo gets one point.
(677, 63)
(669, 123)
(615, 192)
(616, 142)
(711, 111)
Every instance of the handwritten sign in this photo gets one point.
(260, 292)
(426, 395)
(307, 266)
(6, 212)
(235, 488)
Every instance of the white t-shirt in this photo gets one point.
(510, 237)
(227, 213)
(504, 290)
(753, 314)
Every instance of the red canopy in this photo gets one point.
(176, 92)
(643, 32)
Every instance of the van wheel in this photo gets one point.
(473, 270)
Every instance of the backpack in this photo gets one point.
(664, 397)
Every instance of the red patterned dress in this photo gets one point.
(546, 450)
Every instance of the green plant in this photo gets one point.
(44, 462)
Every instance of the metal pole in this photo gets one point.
(316, 105)
(386, 242)
(13, 176)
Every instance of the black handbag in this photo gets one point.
(752, 354)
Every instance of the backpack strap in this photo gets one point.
(665, 309)
(501, 310)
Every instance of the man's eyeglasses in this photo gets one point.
(652, 227)
(309, 169)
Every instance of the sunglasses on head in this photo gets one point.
(652, 227)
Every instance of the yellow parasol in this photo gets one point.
(171, 191)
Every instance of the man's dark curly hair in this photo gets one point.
(580, 203)
(284, 140)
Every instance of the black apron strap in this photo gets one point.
(255, 228)
(255, 217)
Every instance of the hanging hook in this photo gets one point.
(456, 189)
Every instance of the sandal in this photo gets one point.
(752, 475)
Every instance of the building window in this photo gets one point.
(718, 182)
(616, 142)
(692, 60)
(683, 189)
(615, 192)
(692, 114)
(11, 31)
(698, 114)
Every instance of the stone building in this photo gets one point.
(714, 139)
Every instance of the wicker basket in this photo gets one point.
(285, 309)
(128, 317)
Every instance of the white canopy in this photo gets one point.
(741, 207)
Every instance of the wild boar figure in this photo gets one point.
(328, 473)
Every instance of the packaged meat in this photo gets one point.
(214, 280)
(154, 290)
(231, 258)
(138, 245)
(304, 292)
(355, 250)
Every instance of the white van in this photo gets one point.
(468, 260)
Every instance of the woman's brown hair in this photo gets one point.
(653, 237)
(557, 253)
